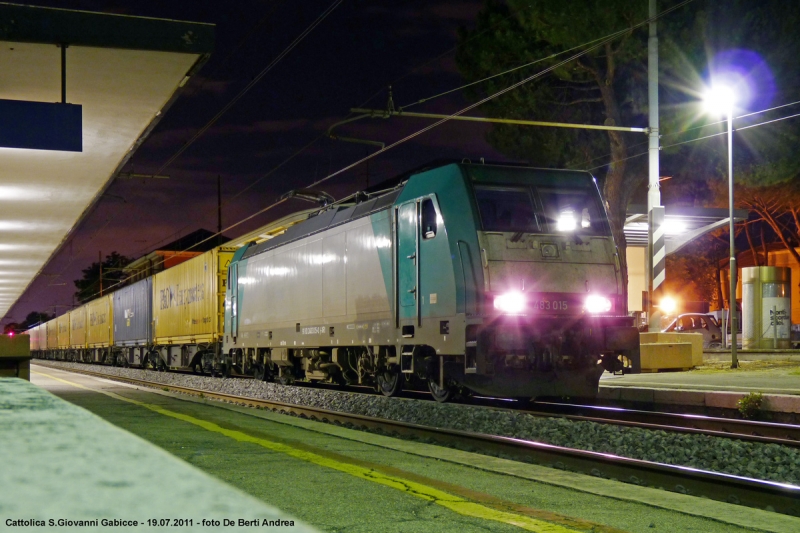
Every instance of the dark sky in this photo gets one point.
(347, 61)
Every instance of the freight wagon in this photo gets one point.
(188, 301)
(133, 318)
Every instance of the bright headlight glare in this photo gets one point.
(566, 221)
(512, 303)
(595, 304)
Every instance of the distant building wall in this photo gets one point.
(636, 279)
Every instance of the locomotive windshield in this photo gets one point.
(541, 209)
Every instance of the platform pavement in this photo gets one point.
(61, 462)
(715, 385)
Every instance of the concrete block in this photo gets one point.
(18, 346)
(679, 397)
(608, 393)
(725, 400)
(782, 403)
(696, 340)
(666, 356)
(636, 394)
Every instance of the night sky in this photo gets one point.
(346, 61)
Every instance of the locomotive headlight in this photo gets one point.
(566, 221)
(512, 303)
(595, 304)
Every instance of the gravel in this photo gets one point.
(756, 460)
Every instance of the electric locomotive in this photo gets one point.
(491, 279)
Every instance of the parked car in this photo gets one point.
(704, 324)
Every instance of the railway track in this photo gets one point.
(779, 497)
(747, 430)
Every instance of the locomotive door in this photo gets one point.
(407, 264)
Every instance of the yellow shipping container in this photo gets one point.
(77, 323)
(188, 299)
(52, 334)
(63, 331)
(99, 323)
(34, 335)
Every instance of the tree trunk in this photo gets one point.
(618, 186)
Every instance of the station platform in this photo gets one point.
(342, 479)
(714, 385)
(64, 467)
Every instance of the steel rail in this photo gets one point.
(752, 430)
(728, 428)
(778, 497)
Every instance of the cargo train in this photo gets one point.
(463, 278)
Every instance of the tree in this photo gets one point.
(89, 286)
(606, 86)
(35, 318)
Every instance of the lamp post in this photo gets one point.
(721, 100)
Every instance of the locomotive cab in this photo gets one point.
(554, 314)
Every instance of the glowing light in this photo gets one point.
(595, 304)
(674, 227)
(668, 305)
(512, 303)
(566, 221)
(719, 100)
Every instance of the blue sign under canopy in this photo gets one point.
(41, 126)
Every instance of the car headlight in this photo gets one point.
(512, 303)
(595, 304)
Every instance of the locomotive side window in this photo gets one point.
(429, 225)
(506, 209)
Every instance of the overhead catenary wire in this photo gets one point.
(610, 36)
(687, 130)
(703, 137)
(320, 137)
(407, 138)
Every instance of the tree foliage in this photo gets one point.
(89, 286)
(609, 86)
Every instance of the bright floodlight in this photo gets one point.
(719, 100)
(668, 305)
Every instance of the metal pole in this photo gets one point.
(732, 298)
(653, 190)
(382, 113)
(100, 260)
(63, 73)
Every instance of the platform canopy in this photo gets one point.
(682, 224)
(124, 72)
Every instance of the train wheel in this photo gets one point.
(390, 382)
(259, 372)
(440, 394)
(285, 379)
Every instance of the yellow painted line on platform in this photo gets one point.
(449, 501)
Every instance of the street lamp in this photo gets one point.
(720, 100)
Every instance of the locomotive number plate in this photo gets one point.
(550, 305)
(556, 303)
